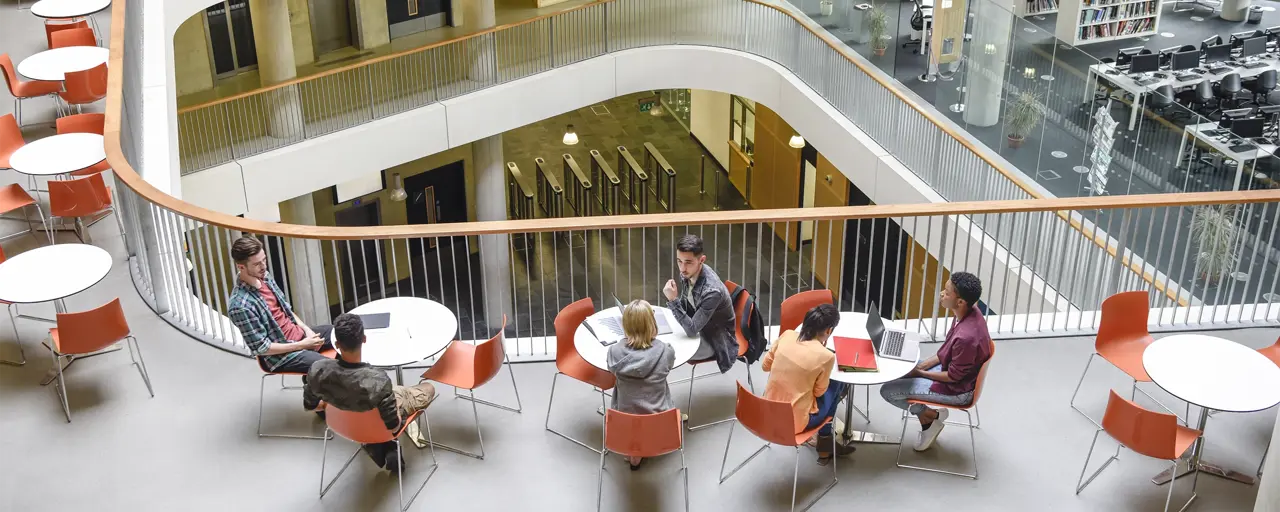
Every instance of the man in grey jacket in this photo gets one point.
(701, 304)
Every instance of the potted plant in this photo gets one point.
(1215, 231)
(1021, 116)
(877, 23)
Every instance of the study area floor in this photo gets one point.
(194, 447)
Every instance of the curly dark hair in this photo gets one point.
(818, 320)
(348, 332)
(968, 287)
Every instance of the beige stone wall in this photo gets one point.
(300, 28)
(192, 69)
(371, 24)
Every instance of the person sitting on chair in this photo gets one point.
(799, 366)
(700, 303)
(641, 364)
(355, 386)
(950, 376)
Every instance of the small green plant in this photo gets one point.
(1215, 231)
(1021, 116)
(877, 23)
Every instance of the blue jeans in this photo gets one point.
(826, 407)
(897, 392)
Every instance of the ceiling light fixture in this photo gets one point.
(570, 136)
(398, 194)
(796, 141)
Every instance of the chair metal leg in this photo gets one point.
(141, 364)
(22, 354)
(689, 403)
(473, 398)
(476, 415)
(1077, 391)
(547, 424)
(684, 468)
(973, 446)
(325, 488)
(600, 480)
(1081, 483)
(61, 388)
(262, 384)
(1264, 458)
(725, 459)
(796, 476)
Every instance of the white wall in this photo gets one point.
(709, 113)
(279, 175)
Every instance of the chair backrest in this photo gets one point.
(490, 354)
(1204, 92)
(982, 373)
(567, 322)
(78, 197)
(642, 435)
(1150, 433)
(1230, 83)
(362, 427)
(10, 139)
(770, 420)
(795, 306)
(82, 123)
(1163, 96)
(52, 28)
(1187, 48)
(1267, 80)
(739, 313)
(10, 74)
(88, 86)
(72, 37)
(92, 330)
(1271, 352)
(1124, 317)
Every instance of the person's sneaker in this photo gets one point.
(929, 435)
(824, 446)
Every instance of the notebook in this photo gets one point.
(855, 355)
(376, 320)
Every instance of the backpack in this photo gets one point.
(752, 326)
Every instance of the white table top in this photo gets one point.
(1213, 373)
(596, 354)
(52, 272)
(59, 154)
(854, 325)
(1255, 152)
(419, 329)
(53, 65)
(68, 8)
(1130, 85)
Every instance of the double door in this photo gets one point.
(412, 16)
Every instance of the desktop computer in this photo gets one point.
(1237, 39)
(1217, 53)
(1183, 61)
(1253, 46)
(1247, 127)
(1211, 41)
(1149, 63)
(1125, 55)
(1166, 55)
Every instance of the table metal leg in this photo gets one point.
(1196, 463)
(857, 436)
(399, 376)
(1133, 111)
(1239, 173)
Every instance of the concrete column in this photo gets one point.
(274, 40)
(480, 15)
(491, 204)
(372, 29)
(1268, 499)
(988, 57)
(306, 264)
(1235, 10)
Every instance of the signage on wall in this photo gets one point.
(646, 104)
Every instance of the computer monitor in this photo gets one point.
(1273, 34)
(1125, 55)
(1247, 127)
(1269, 110)
(1211, 41)
(1184, 60)
(1148, 63)
(1166, 55)
(1228, 116)
(1217, 53)
(1253, 46)
(1237, 39)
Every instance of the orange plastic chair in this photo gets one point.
(1273, 353)
(88, 332)
(84, 123)
(13, 198)
(970, 424)
(72, 37)
(84, 87)
(771, 421)
(795, 307)
(18, 339)
(53, 28)
(1122, 337)
(10, 139)
(79, 198)
(262, 384)
(739, 308)
(571, 364)
(468, 367)
(1156, 435)
(642, 435)
(21, 90)
(367, 428)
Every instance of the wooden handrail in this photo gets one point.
(125, 173)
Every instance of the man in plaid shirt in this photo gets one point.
(273, 332)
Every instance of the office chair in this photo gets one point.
(1160, 101)
(1226, 91)
(1272, 115)
(1105, 86)
(1187, 48)
(1197, 99)
(1261, 86)
(918, 20)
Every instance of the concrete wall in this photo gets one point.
(709, 122)
(300, 29)
(192, 69)
(371, 24)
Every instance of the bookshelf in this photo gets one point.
(1095, 21)
(1026, 8)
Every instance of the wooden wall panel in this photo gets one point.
(776, 177)
(738, 163)
(921, 286)
(828, 239)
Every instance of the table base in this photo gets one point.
(858, 436)
(52, 375)
(1207, 468)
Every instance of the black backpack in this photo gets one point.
(752, 326)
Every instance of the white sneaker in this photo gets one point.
(929, 435)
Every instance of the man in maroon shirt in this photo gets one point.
(949, 377)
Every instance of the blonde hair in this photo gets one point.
(639, 325)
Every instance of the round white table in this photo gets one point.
(1213, 374)
(58, 9)
(59, 154)
(854, 325)
(597, 354)
(419, 328)
(53, 65)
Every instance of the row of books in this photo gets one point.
(1104, 3)
(1123, 28)
(1117, 12)
(1038, 6)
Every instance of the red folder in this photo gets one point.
(855, 355)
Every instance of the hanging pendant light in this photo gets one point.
(398, 194)
(570, 136)
(796, 141)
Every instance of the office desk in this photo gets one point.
(1131, 86)
(1196, 132)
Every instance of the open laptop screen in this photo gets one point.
(875, 326)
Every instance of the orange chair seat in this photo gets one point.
(575, 366)
(94, 169)
(936, 405)
(330, 353)
(1126, 354)
(803, 437)
(57, 344)
(28, 89)
(1184, 438)
(14, 197)
(455, 370)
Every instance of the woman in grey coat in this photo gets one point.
(641, 365)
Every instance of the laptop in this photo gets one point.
(375, 320)
(612, 325)
(889, 342)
